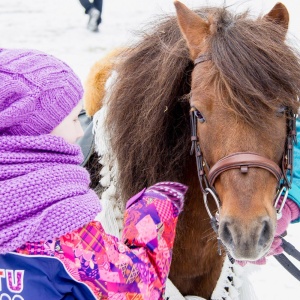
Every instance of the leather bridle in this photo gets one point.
(242, 161)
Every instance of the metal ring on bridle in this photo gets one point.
(280, 192)
(210, 191)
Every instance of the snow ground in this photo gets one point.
(59, 27)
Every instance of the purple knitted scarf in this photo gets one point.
(44, 192)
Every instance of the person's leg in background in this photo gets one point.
(98, 4)
(87, 5)
(94, 11)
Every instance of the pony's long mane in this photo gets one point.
(148, 110)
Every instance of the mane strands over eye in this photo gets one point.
(257, 71)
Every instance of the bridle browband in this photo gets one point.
(243, 161)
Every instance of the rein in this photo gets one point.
(243, 161)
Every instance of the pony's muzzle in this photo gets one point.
(247, 240)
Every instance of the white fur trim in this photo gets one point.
(111, 216)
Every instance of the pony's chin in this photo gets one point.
(250, 257)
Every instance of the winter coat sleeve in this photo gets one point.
(294, 193)
(149, 230)
(138, 265)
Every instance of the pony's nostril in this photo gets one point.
(265, 233)
(226, 234)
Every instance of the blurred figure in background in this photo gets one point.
(94, 10)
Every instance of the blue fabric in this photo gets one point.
(294, 192)
(38, 277)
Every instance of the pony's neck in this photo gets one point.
(196, 265)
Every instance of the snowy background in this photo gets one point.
(58, 27)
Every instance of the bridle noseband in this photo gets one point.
(242, 161)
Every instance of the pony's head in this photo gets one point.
(244, 75)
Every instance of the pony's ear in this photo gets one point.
(193, 28)
(279, 15)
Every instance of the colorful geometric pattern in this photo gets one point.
(136, 268)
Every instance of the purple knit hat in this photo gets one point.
(37, 91)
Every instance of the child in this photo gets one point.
(50, 245)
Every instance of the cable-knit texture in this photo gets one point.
(174, 191)
(44, 193)
(37, 91)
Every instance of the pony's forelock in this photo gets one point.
(257, 71)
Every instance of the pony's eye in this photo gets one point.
(199, 116)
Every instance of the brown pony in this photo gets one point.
(244, 74)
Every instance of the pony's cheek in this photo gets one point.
(206, 142)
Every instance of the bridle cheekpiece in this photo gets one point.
(242, 161)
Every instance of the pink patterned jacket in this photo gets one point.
(90, 264)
